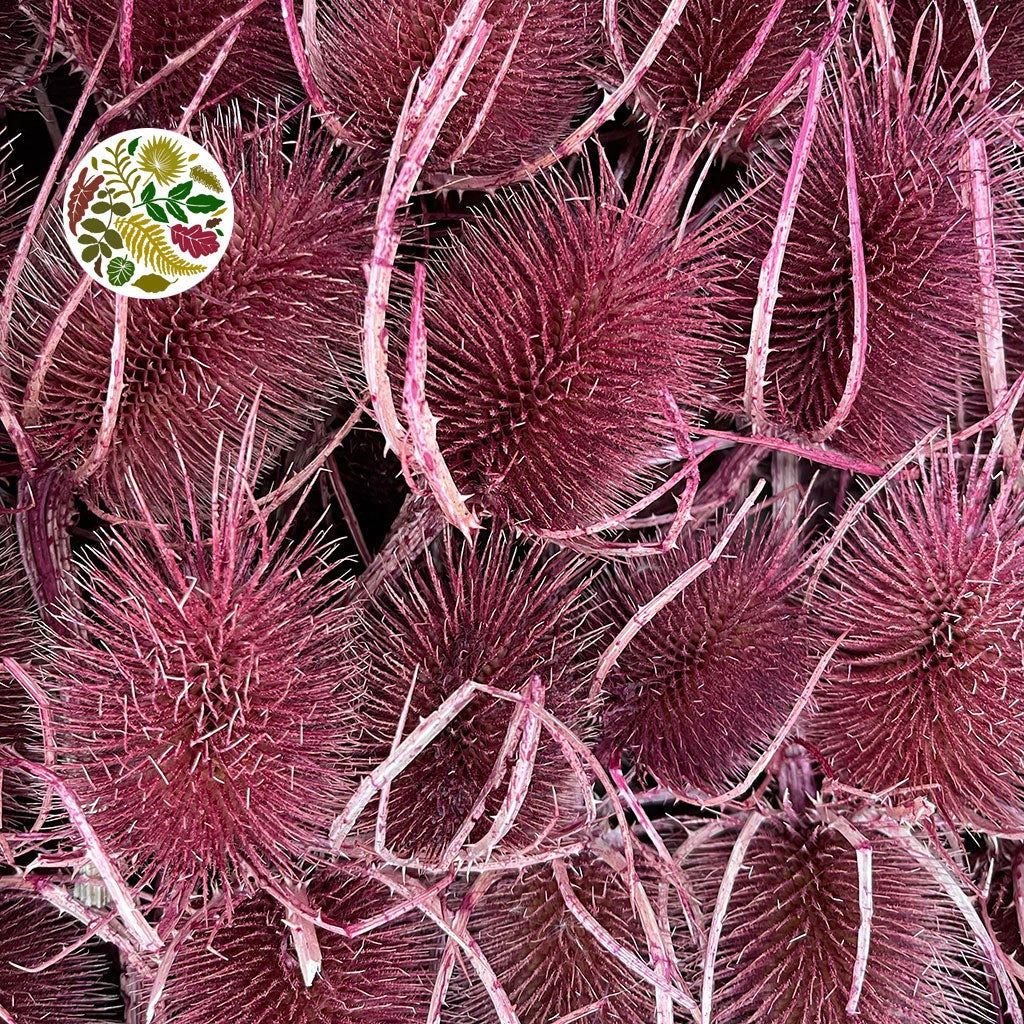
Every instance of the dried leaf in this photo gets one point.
(83, 192)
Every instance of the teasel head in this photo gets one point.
(71, 988)
(531, 80)
(257, 71)
(789, 942)
(704, 687)
(501, 614)
(246, 971)
(549, 963)
(18, 49)
(277, 315)
(873, 338)
(197, 718)
(556, 324)
(923, 696)
(714, 67)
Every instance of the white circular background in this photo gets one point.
(170, 226)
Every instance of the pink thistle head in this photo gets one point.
(18, 49)
(709, 681)
(198, 719)
(73, 990)
(496, 613)
(926, 691)
(257, 73)
(278, 315)
(363, 57)
(555, 323)
(789, 942)
(549, 964)
(919, 279)
(689, 83)
(247, 972)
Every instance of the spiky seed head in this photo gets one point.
(246, 971)
(74, 990)
(497, 613)
(18, 49)
(921, 287)
(554, 324)
(708, 44)
(1003, 25)
(278, 315)
(707, 683)
(925, 692)
(789, 942)
(364, 56)
(198, 720)
(548, 963)
(258, 72)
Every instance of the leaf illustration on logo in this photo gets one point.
(206, 178)
(180, 191)
(194, 240)
(120, 270)
(133, 145)
(146, 242)
(203, 203)
(82, 194)
(152, 283)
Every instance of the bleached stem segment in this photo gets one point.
(866, 901)
(115, 388)
(423, 424)
(306, 945)
(771, 268)
(732, 870)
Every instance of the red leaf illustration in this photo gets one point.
(194, 240)
(82, 194)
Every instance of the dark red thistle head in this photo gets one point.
(555, 324)
(247, 971)
(549, 964)
(704, 687)
(498, 614)
(789, 942)
(278, 315)
(198, 720)
(18, 50)
(926, 691)
(528, 84)
(73, 990)
(257, 71)
(713, 65)
(908, 305)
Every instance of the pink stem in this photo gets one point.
(423, 426)
(125, 58)
(859, 281)
(771, 268)
(35, 691)
(866, 902)
(207, 80)
(115, 388)
(306, 77)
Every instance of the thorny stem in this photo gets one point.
(207, 80)
(301, 61)
(35, 691)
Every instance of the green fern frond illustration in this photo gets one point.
(206, 178)
(145, 241)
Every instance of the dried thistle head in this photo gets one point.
(198, 718)
(709, 681)
(925, 691)
(246, 971)
(497, 613)
(258, 71)
(278, 315)
(919, 278)
(549, 964)
(18, 50)
(555, 323)
(789, 942)
(364, 55)
(74, 990)
(686, 86)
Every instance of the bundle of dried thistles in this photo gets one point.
(566, 561)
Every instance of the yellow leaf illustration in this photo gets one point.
(145, 240)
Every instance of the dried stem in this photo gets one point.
(866, 901)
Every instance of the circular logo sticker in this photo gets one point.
(148, 213)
